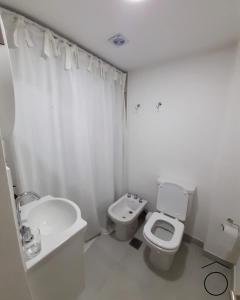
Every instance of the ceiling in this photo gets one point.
(157, 30)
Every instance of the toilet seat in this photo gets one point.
(175, 241)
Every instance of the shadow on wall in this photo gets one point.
(177, 268)
(192, 213)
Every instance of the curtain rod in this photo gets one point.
(40, 25)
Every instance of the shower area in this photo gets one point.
(69, 134)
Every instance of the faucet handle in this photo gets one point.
(26, 234)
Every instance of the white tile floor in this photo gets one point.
(115, 270)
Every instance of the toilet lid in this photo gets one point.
(176, 237)
(172, 199)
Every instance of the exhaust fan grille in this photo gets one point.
(118, 40)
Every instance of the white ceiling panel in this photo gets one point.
(157, 30)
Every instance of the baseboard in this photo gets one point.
(189, 239)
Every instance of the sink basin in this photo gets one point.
(52, 216)
(58, 220)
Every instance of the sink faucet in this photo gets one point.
(27, 197)
(25, 232)
(18, 211)
(22, 199)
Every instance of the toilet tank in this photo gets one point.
(172, 199)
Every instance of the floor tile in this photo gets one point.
(115, 270)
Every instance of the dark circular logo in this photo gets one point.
(216, 283)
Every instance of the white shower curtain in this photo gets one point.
(69, 133)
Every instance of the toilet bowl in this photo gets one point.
(163, 235)
(124, 214)
(164, 229)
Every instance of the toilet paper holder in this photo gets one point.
(231, 222)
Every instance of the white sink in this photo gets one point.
(58, 220)
(53, 216)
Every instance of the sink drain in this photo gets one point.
(216, 283)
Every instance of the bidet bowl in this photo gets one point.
(124, 214)
(126, 209)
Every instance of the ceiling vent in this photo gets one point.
(118, 40)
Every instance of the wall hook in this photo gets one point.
(158, 105)
(137, 107)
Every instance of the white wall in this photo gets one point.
(182, 139)
(13, 284)
(226, 189)
(236, 278)
(7, 108)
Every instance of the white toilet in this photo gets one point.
(164, 229)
